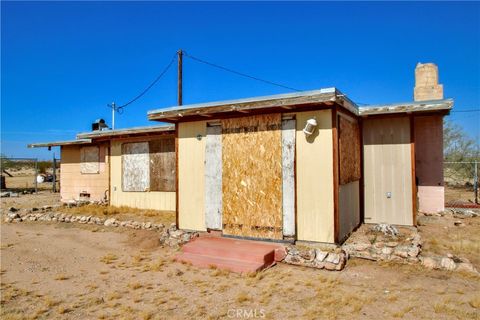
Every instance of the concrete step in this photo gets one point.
(232, 249)
(204, 261)
(231, 254)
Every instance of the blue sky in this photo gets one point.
(62, 62)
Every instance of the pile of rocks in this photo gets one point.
(316, 258)
(170, 236)
(450, 263)
(375, 244)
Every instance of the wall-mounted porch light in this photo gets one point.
(310, 127)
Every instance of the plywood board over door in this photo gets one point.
(252, 176)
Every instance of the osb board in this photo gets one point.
(90, 159)
(349, 150)
(252, 176)
(162, 164)
(135, 166)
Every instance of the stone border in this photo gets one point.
(335, 260)
(170, 236)
(316, 258)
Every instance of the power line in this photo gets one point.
(119, 109)
(239, 73)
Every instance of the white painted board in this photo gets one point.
(135, 166)
(213, 178)
(288, 176)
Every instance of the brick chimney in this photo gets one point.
(426, 83)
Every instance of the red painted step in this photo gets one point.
(230, 254)
(203, 261)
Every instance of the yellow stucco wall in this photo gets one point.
(73, 182)
(191, 175)
(155, 200)
(314, 178)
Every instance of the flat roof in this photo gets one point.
(128, 131)
(327, 96)
(59, 143)
(407, 107)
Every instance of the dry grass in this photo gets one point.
(61, 277)
(109, 258)
(123, 213)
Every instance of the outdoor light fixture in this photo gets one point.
(310, 127)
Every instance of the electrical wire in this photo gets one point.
(119, 109)
(238, 73)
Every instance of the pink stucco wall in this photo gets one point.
(429, 163)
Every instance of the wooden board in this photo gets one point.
(288, 176)
(252, 176)
(90, 159)
(213, 177)
(135, 166)
(162, 164)
(349, 150)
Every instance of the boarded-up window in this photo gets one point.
(162, 165)
(135, 166)
(349, 150)
(90, 159)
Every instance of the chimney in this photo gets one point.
(426, 83)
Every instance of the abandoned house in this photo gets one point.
(308, 166)
(130, 167)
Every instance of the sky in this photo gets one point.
(63, 62)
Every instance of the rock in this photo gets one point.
(341, 263)
(12, 209)
(332, 258)
(430, 263)
(387, 251)
(448, 264)
(330, 266)
(392, 244)
(110, 222)
(459, 223)
(13, 215)
(413, 251)
(466, 267)
(185, 237)
(362, 246)
(308, 255)
(148, 225)
(14, 194)
(5, 194)
(401, 251)
(449, 255)
(176, 234)
(320, 255)
(386, 229)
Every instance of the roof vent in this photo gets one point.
(99, 125)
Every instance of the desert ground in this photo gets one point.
(73, 271)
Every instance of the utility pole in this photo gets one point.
(475, 182)
(54, 188)
(113, 115)
(180, 60)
